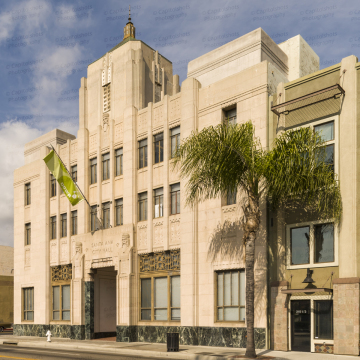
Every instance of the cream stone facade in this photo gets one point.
(155, 266)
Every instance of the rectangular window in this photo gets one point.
(146, 299)
(93, 171)
(230, 116)
(300, 245)
(175, 298)
(93, 215)
(52, 186)
(118, 162)
(175, 140)
(28, 304)
(323, 313)
(106, 215)
(74, 222)
(118, 212)
(158, 203)
(231, 197)
(175, 199)
(61, 302)
(158, 148)
(28, 194)
(106, 166)
(53, 227)
(166, 295)
(142, 153)
(230, 295)
(74, 172)
(311, 244)
(327, 133)
(324, 243)
(142, 206)
(28, 234)
(63, 228)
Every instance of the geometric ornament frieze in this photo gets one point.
(61, 273)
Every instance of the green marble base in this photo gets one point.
(204, 336)
(76, 332)
(89, 310)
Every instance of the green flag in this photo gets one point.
(62, 176)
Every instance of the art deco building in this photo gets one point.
(156, 265)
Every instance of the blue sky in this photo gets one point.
(45, 47)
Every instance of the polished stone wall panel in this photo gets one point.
(76, 332)
(89, 310)
(203, 336)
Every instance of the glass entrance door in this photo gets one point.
(300, 325)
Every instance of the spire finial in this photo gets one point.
(129, 14)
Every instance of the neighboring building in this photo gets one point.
(322, 316)
(6, 286)
(157, 265)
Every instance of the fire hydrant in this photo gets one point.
(48, 335)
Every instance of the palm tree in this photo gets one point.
(229, 158)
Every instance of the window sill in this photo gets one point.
(54, 322)
(159, 322)
(141, 170)
(119, 177)
(27, 206)
(92, 185)
(306, 266)
(230, 322)
(157, 165)
(107, 181)
(142, 221)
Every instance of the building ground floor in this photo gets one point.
(322, 320)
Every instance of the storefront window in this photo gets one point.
(323, 314)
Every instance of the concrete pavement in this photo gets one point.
(159, 350)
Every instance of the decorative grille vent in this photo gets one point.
(61, 273)
(161, 261)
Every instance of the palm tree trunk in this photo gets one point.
(250, 290)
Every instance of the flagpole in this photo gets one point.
(71, 176)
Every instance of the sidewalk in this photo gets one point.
(159, 350)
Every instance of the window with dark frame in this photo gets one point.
(230, 116)
(158, 148)
(28, 304)
(63, 228)
(28, 234)
(118, 212)
(230, 295)
(52, 186)
(174, 140)
(61, 302)
(324, 243)
(74, 222)
(53, 227)
(93, 215)
(160, 298)
(106, 215)
(324, 322)
(175, 198)
(93, 171)
(158, 202)
(106, 166)
(231, 197)
(118, 162)
(142, 153)
(27, 194)
(74, 172)
(142, 206)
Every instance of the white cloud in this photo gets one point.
(13, 136)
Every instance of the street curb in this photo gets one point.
(128, 352)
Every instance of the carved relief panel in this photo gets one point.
(142, 236)
(142, 123)
(158, 116)
(158, 234)
(175, 231)
(53, 252)
(175, 111)
(27, 258)
(119, 130)
(64, 250)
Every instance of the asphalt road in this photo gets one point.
(9, 352)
